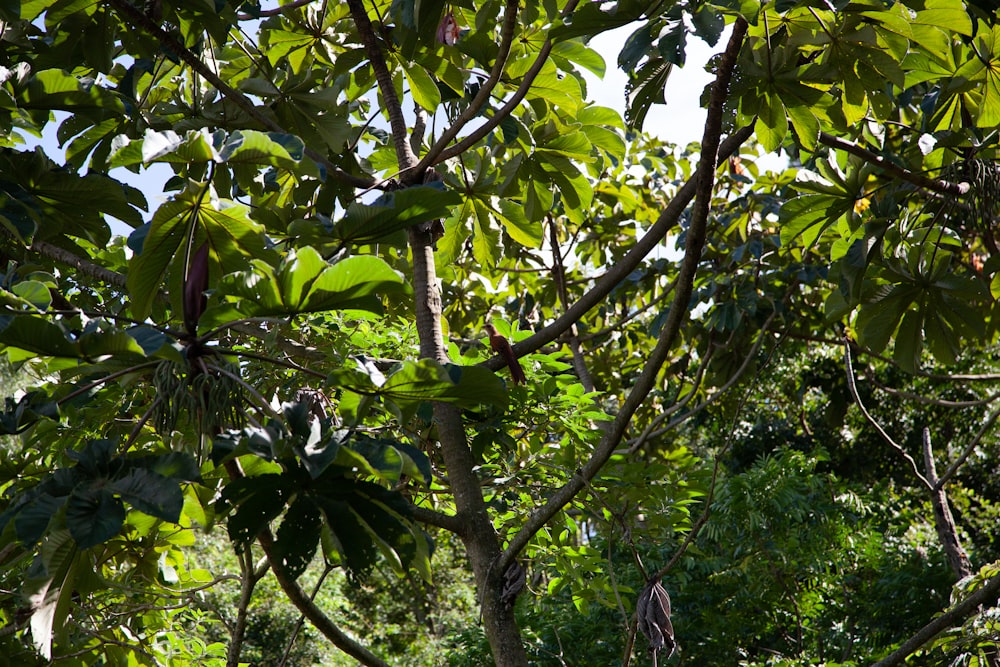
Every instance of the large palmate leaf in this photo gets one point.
(427, 380)
(393, 213)
(305, 282)
(25, 335)
(39, 200)
(92, 494)
(190, 219)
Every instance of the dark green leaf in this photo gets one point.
(94, 515)
(297, 537)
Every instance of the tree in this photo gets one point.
(288, 344)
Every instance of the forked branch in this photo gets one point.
(696, 235)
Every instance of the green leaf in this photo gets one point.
(225, 226)
(305, 282)
(259, 148)
(525, 232)
(353, 540)
(804, 218)
(645, 88)
(94, 515)
(35, 334)
(909, 342)
(298, 536)
(150, 493)
(878, 319)
(168, 146)
(50, 590)
(423, 88)
(427, 380)
(258, 501)
(394, 212)
(772, 124)
(577, 52)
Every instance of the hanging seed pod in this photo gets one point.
(514, 580)
(195, 284)
(653, 612)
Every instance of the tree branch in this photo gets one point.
(169, 42)
(871, 420)
(491, 123)
(953, 468)
(934, 185)
(696, 234)
(303, 602)
(392, 106)
(944, 522)
(448, 522)
(987, 595)
(82, 265)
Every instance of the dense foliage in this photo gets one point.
(262, 424)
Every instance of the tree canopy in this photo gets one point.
(758, 421)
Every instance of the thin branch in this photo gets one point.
(942, 187)
(298, 626)
(649, 432)
(707, 512)
(247, 583)
(944, 521)
(511, 104)
(449, 522)
(716, 395)
(932, 401)
(83, 266)
(987, 595)
(262, 403)
(290, 365)
(871, 420)
(107, 378)
(559, 276)
(168, 41)
(696, 234)
(620, 324)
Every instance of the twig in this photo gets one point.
(942, 187)
(617, 273)
(871, 420)
(953, 468)
(522, 90)
(485, 90)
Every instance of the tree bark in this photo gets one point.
(944, 522)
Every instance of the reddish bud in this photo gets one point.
(447, 32)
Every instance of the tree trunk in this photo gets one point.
(481, 541)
